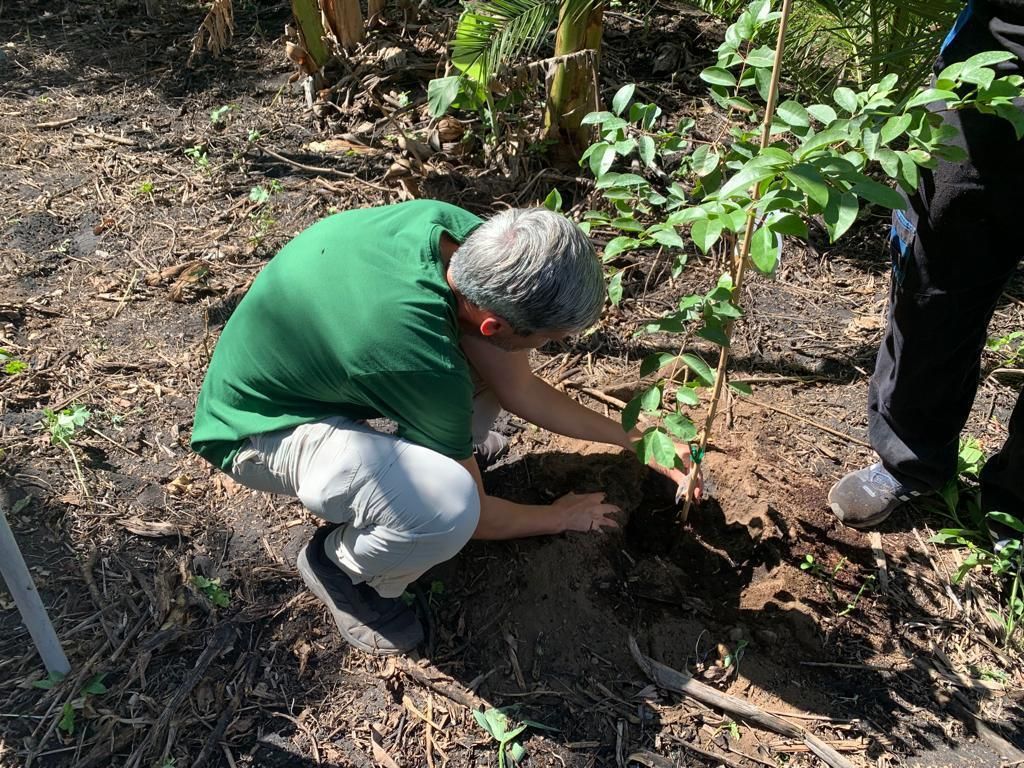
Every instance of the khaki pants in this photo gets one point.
(403, 508)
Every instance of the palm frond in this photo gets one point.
(492, 33)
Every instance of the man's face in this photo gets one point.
(511, 341)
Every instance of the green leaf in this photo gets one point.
(718, 76)
(764, 251)
(668, 237)
(794, 113)
(705, 233)
(681, 426)
(889, 161)
(441, 93)
(553, 202)
(808, 180)
(622, 97)
(836, 134)
(655, 445)
(631, 414)
(687, 395)
(895, 126)
(845, 99)
(615, 289)
(699, 368)
(49, 681)
(596, 118)
(789, 224)
(761, 57)
(908, 171)
(619, 245)
(714, 331)
(757, 169)
(1014, 116)
(742, 387)
(601, 159)
(657, 361)
(647, 150)
(516, 752)
(823, 113)
(650, 399)
(840, 213)
(704, 160)
(879, 194)
(1008, 520)
(987, 59)
(95, 686)
(929, 95)
(624, 147)
(67, 719)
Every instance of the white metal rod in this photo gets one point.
(23, 590)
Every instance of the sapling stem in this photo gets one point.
(740, 265)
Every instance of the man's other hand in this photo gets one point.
(586, 512)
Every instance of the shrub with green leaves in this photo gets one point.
(741, 193)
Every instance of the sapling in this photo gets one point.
(741, 193)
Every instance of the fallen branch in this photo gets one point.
(441, 683)
(678, 682)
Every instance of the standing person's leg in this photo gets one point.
(1002, 477)
(400, 509)
(953, 252)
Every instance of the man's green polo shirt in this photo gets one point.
(353, 317)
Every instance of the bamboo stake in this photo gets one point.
(30, 605)
(740, 266)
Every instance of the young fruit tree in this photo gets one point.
(775, 166)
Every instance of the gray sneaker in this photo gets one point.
(375, 624)
(867, 496)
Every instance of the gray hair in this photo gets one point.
(534, 268)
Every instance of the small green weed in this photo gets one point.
(10, 365)
(212, 589)
(95, 687)
(972, 531)
(1011, 347)
(197, 154)
(260, 194)
(146, 187)
(254, 135)
(218, 115)
(498, 724)
(62, 426)
(828, 577)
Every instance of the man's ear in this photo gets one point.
(491, 326)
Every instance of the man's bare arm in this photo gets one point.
(501, 519)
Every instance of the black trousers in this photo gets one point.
(953, 250)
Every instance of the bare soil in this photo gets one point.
(121, 257)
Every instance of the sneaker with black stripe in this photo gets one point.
(868, 496)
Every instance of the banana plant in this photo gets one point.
(492, 35)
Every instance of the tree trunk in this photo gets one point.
(573, 88)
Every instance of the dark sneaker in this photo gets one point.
(867, 496)
(491, 450)
(371, 623)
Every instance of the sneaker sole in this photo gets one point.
(870, 522)
(314, 585)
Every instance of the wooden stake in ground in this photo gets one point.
(26, 597)
(740, 264)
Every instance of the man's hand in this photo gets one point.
(681, 477)
(585, 512)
